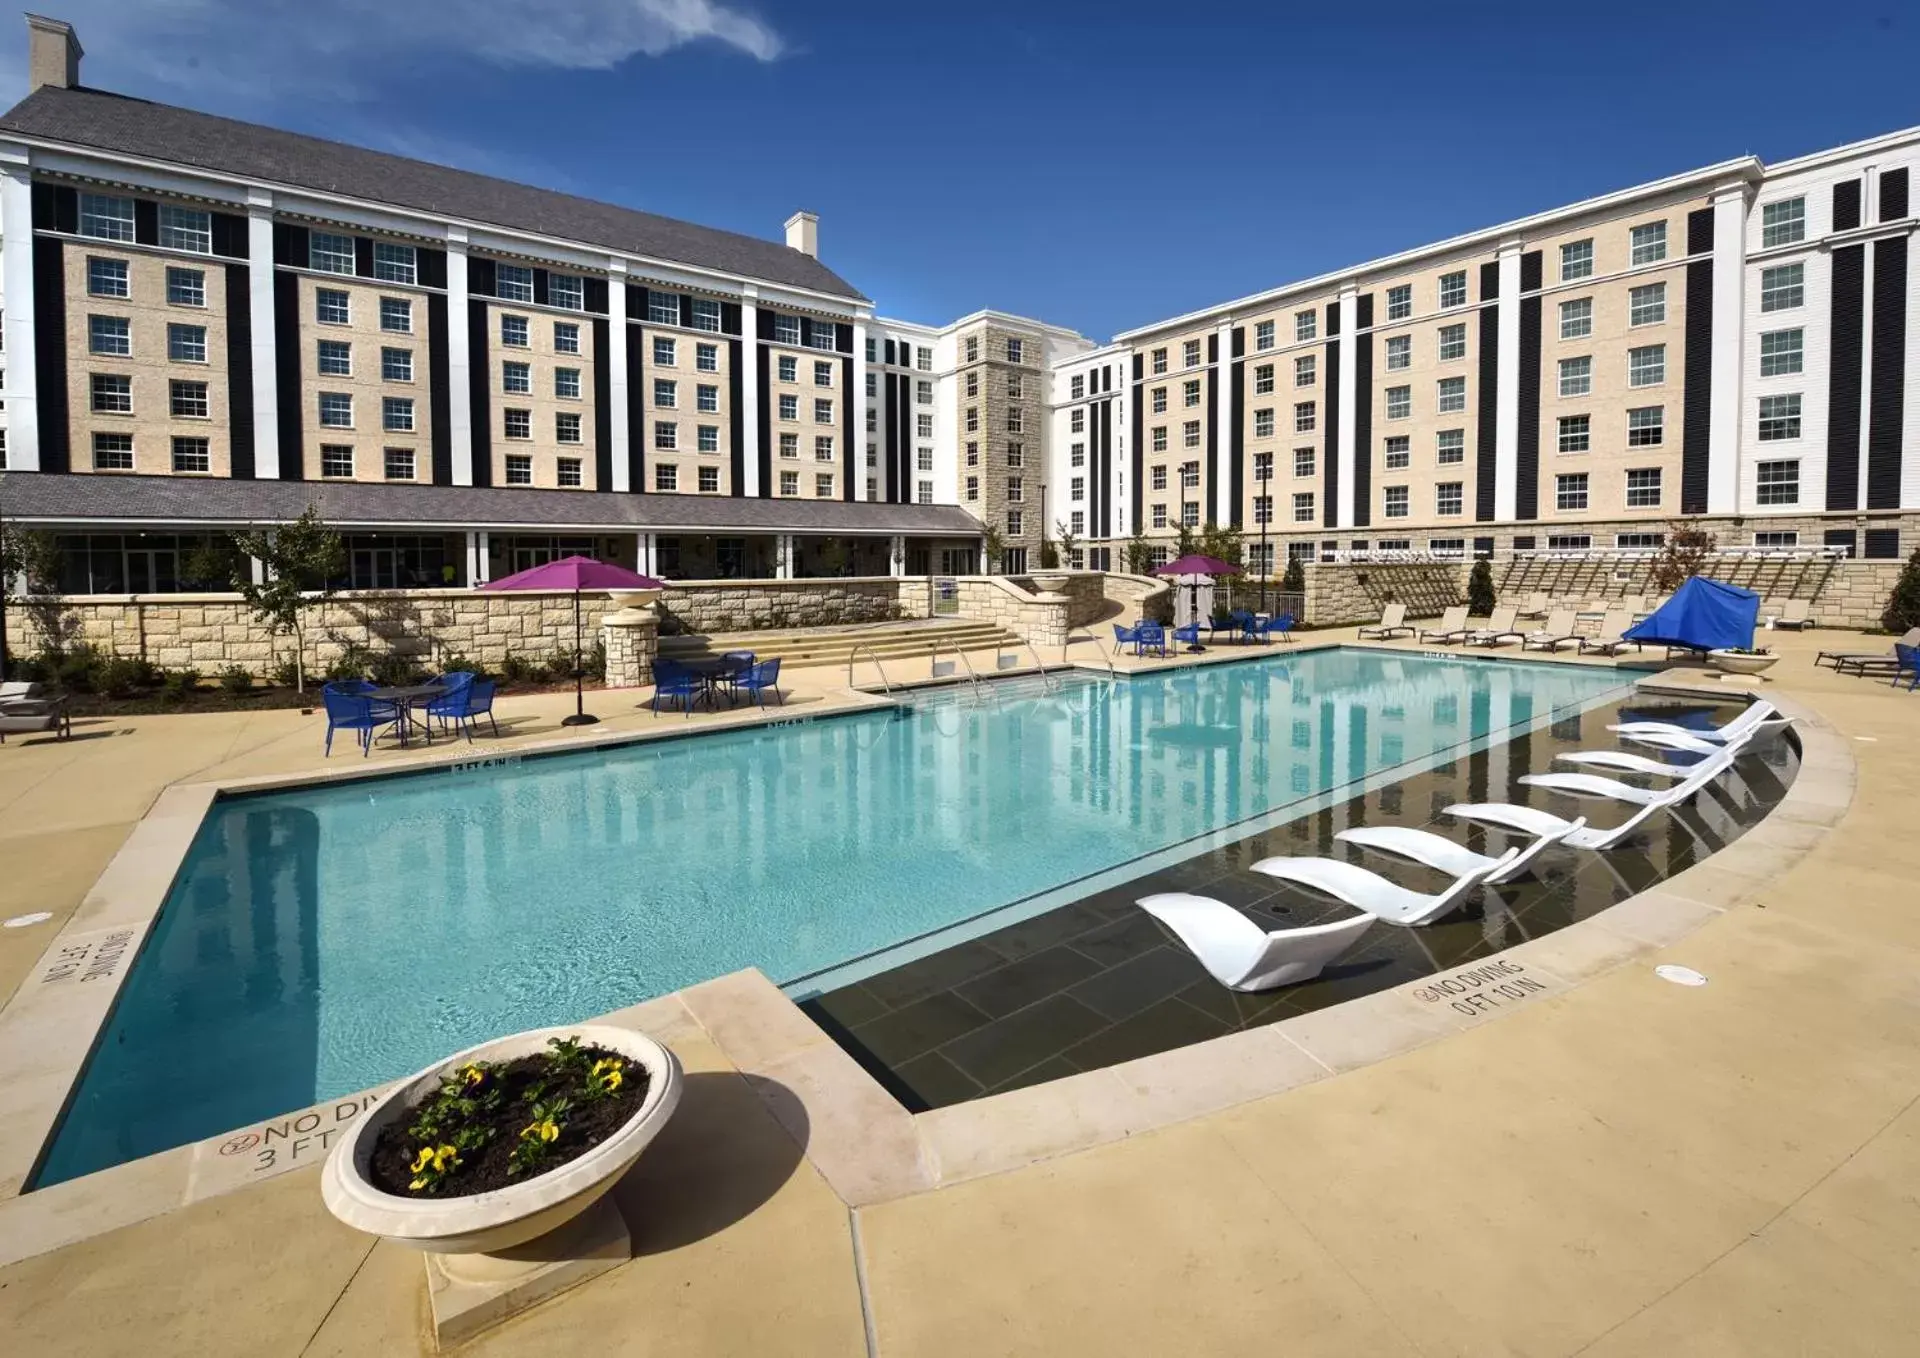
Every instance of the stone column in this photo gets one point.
(632, 639)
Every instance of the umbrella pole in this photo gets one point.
(580, 715)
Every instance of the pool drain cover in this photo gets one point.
(1666, 971)
(22, 921)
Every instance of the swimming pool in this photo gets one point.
(322, 940)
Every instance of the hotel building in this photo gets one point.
(210, 324)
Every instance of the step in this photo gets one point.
(828, 646)
(720, 641)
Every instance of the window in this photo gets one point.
(666, 435)
(823, 412)
(566, 383)
(1646, 426)
(520, 470)
(1777, 538)
(1077, 387)
(1576, 376)
(1263, 335)
(1399, 402)
(1077, 421)
(824, 334)
(1453, 289)
(1263, 509)
(973, 348)
(789, 368)
(394, 263)
(1569, 542)
(570, 291)
(109, 335)
(1643, 488)
(789, 406)
(973, 384)
(1159, 516)
(1400, 302)
(706, 396)
(973, 487)
(923, 359)
(1306, 325)
(1780, 353)
(336, 459)
(1576, 318)
(187, 229)
(1159, 438)
(1158, 363)
(1639, 540)
(335, 358)
(113, 452)
(396, 414)
(1016, 351)
(112, 395)
(1783, 223)
(1158, 478)
(1777, 483)
(513, 282)
(1779, 418)
(1647, 367)
(1190, 513)
(1016, 454)
(191, 454)
(1576, 260)
(1783, 288)
(1450, 447)
(187, 400)
(332, 307)
(566, 427)
(187, 343)
(1305, 417)
(1016, 489)
(399, 464)
(106, 218)
(1015, 388)
(823, 448)
(1159, 400)
(1647, 305)
(1453, 342)
(823, 377)
(513, 332)
(924, 426)
(1190, 353)
(1398, 452)
(396, 314)
(663, 308)
(706, 437)
(107, 278)
(1649, 242)
(1263, 424)
(663, 352)
(329, 253)
(706, 359)
(667, 477)
(1398, 502)
(517, 379)
(789, 445)
(1014, 420)
(1449, 497)
(518, 423)
(1263, 378)
(1016, 522)
(1453, 395)
(1189, 475)
(1077, 455)
(923, 459)
(1570, 491)
(706, 315)
(567, 472)
(1303, 506)
(1576, 433)
(973, 454)
(1399, 352)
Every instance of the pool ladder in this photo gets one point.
(933, 663)
(1106, 651)
(854, 655)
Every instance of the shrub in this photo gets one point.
(235, 680)
(285, 672)
(391, 670)
(1295, 580)
(122, 676)
(178, 686)
(517, 669)
(454, 663)
(1903, 605)
(1480, 599)
(1686, 550)
(352, 663)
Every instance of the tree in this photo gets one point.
(1068, 540)
(30, 558)
(1295, 580)
(996, 548)
(1049, 555)
(301, 561)
(1185, 541)
(1680, 558)
(1139, 556)
(1903, 605)
(1223, 542)
(1480, 588)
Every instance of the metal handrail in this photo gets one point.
(933, 660)
(1105, 650)
(854, 655)
(1049, 683)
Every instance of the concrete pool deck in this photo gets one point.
(1624, 1166)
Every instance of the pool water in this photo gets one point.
(322, 940)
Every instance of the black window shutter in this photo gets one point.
(540, 293)
(1523, 544)
(481, 279)
(1893, 195)
(363, 256)
(1883, 544)
(686, 311)
(433, 267)
(290, 245)
(636, 305)
(806, 332)
(593, 294)
(146, 221)
(1846, 205)
(1844, 538)
(1490, 281)
(1530, 271)
(1700, 231)
(730, 318)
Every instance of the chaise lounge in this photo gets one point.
(1241, 955)
(1369, 891)
(1393, 621)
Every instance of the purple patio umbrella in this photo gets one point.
(1195, 564)
(576, 573)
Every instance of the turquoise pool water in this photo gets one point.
(322, 940)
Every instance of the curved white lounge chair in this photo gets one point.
(1239, 953)
(1528, 820)
(1750, 721)
(1371, 892)
(1456, 860)
(1592, 785)
(1629, 763)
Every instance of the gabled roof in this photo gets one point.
(115, 123)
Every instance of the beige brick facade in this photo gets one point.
(698, 377)
(1001, 429)
(554, 433)
(800, 457)
(382, 365)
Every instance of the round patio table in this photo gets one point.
(714, 670)
(405, 697)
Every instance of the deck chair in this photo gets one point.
(1499, 628)
(1393, 620)
(1612, 639)
(1757, 717)
(1241, 955)
(1557, 633)
(1861, 661)
(1529, 820)
(1452, 627)
(1442, 854)
(1536, 605)
(1371, 892)
(1795, 614)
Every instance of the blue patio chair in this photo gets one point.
(1186, 636)
(1281, 624)
(1907, 662)
(737, 664)
(757, 679)
(451, 704)
(1236, 621)
(462, 708)
(1150, 636)
(348, 710)
(671, 680)
(1126, 636)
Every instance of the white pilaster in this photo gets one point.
(897, 555)
(750, 393)
(1729, 312)
(1222, 489)
(483, 563)
(16, 269)
(459, 376)
(266, 385)
(1506, 413)
(783, 556)
(643, 554)
(857, 398)
(473, 558)
(617, 370)
(1349, 386)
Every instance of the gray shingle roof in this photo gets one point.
(135, 127)
(78, 497)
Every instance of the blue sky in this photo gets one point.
(1095, 165)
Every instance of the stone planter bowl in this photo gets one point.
(635, 598)
(1735, 663)
(1048, 582)
(505, 1218)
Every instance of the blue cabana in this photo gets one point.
(1702, 615)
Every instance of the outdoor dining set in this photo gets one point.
(710, 680)
(455, 700)
(1241, 625)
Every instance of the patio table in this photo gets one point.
(405, 697)
(715, 670)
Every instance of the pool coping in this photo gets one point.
(867, 1145)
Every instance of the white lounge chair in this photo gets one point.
(1240, 954)
(1437, 851)
(1536, 605)
(1558, 632)
(1453, 626)
(1393, 619)
(1758, 716)
(1795, 613)
(1629, 763)
(1612, 639)
(1528, 820)
(1499, 628)
(1371, 892)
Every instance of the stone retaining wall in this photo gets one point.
(706, 607)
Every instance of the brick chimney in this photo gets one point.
(53, 54)
(803, 233)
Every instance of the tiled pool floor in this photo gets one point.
(1100, 981)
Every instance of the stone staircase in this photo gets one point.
(836, 645)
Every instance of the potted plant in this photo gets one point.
(503, 1143)
(1741, 659)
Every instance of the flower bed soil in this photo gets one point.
(587, 1124)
